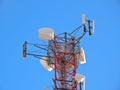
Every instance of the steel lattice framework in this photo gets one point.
(61, 53)
(65, 63)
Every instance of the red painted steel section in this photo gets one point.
(65, 63)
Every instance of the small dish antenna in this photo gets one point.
(83, 19)
(44, 63)
(79, 78)
(81, 56)
(46, 33)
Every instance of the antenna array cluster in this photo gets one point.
(63, 55)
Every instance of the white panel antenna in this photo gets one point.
(44, 63)
(93, 26)
(83, 19)
(82, 85)
(24, 49)
(46, 33)
(81, 56)
(79, 78)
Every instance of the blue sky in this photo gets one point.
(20, 21)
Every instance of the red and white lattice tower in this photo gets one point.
(63, 52)
(65, 63)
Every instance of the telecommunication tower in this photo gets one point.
(63, 54)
